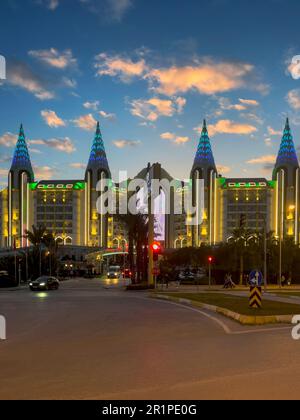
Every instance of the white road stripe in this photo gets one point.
(225, 327)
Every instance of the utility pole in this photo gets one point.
(210, 260)
(26, 262)
(265, 257)
(19, 280)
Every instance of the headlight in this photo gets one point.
(30, 284)
(116, 274)
(42, 284)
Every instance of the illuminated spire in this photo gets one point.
(287, 156)
(98, 160)
(204, 157)
(21, 160)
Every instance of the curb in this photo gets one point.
(12, 289)
(242, 319)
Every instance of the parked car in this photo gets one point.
(44, 283)
(186, 276)
(127, 273)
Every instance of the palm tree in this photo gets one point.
(239, 240)
(36, 236)
(39, 238)
(137, 229)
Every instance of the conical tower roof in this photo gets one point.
(21, 160)
(287, 156)
(98, 159)
(204, 158)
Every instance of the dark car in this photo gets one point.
(127, 273)
(44, 283)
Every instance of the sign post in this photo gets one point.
(256, 280)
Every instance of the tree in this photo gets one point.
(36, 236)
(239, 240)
(41, 241)
(137, 229)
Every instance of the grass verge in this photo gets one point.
(240, 304)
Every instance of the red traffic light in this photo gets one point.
(210, 259)
(156, 247)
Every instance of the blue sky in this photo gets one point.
(150, 71)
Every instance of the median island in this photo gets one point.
(236, 307)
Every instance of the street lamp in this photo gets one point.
(210, 261)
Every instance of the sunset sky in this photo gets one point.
(149, 71)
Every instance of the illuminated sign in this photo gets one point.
(250, 184)
(74, 186)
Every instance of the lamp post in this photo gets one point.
(210, 260)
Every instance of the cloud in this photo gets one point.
(70, 83)
(225, 104)
(107, 115)
(273, 132)
(267, 159)
(124, 68)
(8, 139)
(293, 98)
(20, 75)
(111, 9)
(223, 169)
(77, 165)
(119, 8)
(64, 145)
(268, 141)
(50, 4)
(242, 105)
(293, 67)
(44, 172)
(54, 58)
(91, 105)
(249, 102)
(205, 77)
(52, 119)
(229, 127)
(121, 144)
(86, 122)
(179, 140)
(153, 108)
(33, 150)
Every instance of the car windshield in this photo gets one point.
(42, 279)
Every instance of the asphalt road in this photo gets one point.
(91, 340)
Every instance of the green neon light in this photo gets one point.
(33, 186)
(222, 182)
(78, 186)
(249, 185)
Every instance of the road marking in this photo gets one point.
(225, 327)
(262, 330)
(222, 324)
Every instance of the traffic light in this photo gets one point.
(210, 260)
(156, 249)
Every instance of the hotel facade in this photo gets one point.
(67, 208)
